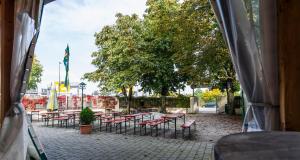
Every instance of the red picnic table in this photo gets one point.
(71, 115)
(173, 117)
(130, 116)
(53, 115)
(34, 111)
(144, 114)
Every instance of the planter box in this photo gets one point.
(85, 129)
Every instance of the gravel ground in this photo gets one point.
(211, 126)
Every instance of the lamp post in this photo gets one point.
(82, 87)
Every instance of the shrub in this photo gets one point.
(210, 96)
(87, 116)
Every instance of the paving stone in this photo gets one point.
(68, 143)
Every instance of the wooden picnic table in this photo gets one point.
(144, 114)
(114, 114)
(34, 111)
(72, 115)
(53, 114)
(173, 117)
(130, 116)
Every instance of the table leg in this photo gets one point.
(164, 127)
(100, 123)
(125, 125)
(52, 121)
(74, 121)
(175, 128)
(120, 127)
(134, 125)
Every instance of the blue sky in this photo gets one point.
(75, 22)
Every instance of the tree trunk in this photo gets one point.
(164, 93)
(230, 97)
(124, 92)
(129, 100)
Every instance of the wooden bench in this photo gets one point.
(45, 119)
(154, 125)
(118, 123)
(188, 125)
(61, 120)
(143, 125)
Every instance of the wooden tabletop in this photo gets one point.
(171, 116)
(258, 145)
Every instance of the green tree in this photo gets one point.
(120, 60)
(159, 37)
(201, 53)
(35, 74)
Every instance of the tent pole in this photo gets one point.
(6, 49)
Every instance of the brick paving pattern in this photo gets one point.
(69, 144)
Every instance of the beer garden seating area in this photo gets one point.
(142, 123)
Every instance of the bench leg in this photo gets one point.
(164, 129)
(183, 129)
(190, 132)
(100, 124)
(140, 130)
(116, 125)
(125, 126)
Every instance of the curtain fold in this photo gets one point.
(14, 138)
(254, 59)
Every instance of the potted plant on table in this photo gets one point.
(86, 118)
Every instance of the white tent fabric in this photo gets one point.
(254, 59)
(14, 138)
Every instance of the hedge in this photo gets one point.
(156, 102)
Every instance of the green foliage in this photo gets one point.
(210, 96)
(198, 93)
(35, 74)
(201, 53)
(120, 60)
(87, 116)
(155, 102)
(159, 35)
(174, 45)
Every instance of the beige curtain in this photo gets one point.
(14, 137)
(249, 29)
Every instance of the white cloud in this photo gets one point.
(74, 22)
(89, 15)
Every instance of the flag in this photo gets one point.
(66, 63)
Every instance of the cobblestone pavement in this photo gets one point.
(62, 143)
